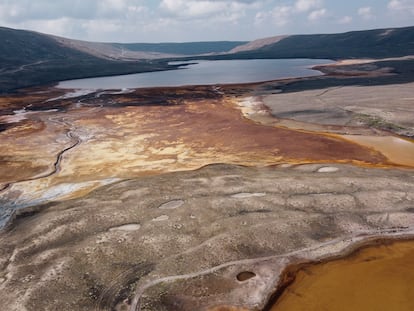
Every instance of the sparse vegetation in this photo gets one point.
(377, 122)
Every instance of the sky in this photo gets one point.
(200, 20)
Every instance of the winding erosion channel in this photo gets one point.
(211, 198)
(56, 165)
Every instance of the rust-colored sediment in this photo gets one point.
(152, 131)
(213, 131)
(377, 276)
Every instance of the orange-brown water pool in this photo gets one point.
(379, 278)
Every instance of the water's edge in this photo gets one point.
(288, 276)
(204, 72)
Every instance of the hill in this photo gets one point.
(378, 43)
(185, 48)
(140, 51)
(29, 58)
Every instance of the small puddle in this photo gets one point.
(397, 150)
(245, 275)
(372, 278)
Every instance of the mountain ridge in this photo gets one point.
(384, 42)
(29, 58)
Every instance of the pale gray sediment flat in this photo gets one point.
(104, 251)
(382, 107)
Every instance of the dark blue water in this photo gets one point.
(205, 73)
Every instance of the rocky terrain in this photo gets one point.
(184, 241)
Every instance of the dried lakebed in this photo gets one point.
(167, 235)
(64, 148)
(120, 248)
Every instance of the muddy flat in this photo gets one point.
(194, 198)
(65, 147)
(387, 107)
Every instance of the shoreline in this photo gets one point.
(290, 264)
(388, 143)
(288, 276)
(320, 68)
(295, 263)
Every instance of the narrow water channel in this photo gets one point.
(379, 278)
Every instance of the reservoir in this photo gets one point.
(205, 72)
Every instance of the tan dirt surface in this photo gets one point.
(115, 248)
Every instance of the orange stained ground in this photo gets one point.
(153, 131)
(379, 278)
(214, 129)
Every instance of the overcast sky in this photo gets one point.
(200, 20)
